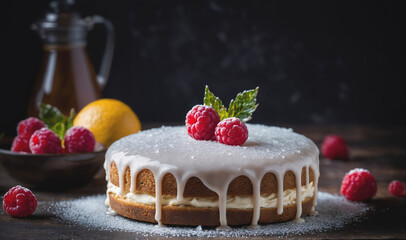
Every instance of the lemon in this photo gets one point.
(108, 120)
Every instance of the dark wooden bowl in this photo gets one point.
(52, 171)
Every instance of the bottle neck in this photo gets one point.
(63, 36)
(64, 46)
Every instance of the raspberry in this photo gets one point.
(19, 202)
(201, 121)
(28, 126)
(334, 147)
(79, 139)
(45, 141)
(231, 131)
(358, 185)
(20, 144)
(397, 188)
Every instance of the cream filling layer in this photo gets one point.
(246, 202)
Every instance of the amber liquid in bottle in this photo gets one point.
(66, 80)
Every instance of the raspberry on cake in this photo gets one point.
(164, 176)
(201, 121)
(231, 131)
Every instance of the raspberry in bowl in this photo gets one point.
(39, 159)
(79, 140)
(45, 141)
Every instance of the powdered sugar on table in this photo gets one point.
(90, 212)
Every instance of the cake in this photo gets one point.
(164, 176)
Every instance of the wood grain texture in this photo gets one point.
(380, 150)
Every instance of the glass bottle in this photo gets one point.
(67, 78)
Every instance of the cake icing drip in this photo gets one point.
(170, 150)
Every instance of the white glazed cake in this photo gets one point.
(162, 175)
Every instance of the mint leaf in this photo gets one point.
(215, 103)
(59, 129)
(242, 107)
(50, 115)
(69, 120)
(55, 120)
(244, 104)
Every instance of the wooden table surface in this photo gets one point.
(381, 150)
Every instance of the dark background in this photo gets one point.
(316, 62)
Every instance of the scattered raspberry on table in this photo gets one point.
(19, 202)
(231, 131)
(334, 147)
(397, 188)
(358, 185)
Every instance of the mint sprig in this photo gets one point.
(215, 103)
(55, 120)
(242, 107)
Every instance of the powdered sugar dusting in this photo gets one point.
(90, 212)
(356, 170)
(173, 146)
